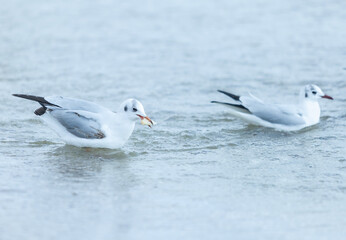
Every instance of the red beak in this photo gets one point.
(328, 97)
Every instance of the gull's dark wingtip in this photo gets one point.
(231, 95)
(220, 102)
(221, 91)
(38, 99)
(23, 96)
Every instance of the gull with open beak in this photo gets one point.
(85, 124)
(288, 117)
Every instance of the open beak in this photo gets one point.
(326, 96)
(146, 121)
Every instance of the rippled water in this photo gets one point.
(199, 174)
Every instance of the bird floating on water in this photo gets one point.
(85, 124)
(282, 117)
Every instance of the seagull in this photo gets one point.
(86, 124)
(281, 117)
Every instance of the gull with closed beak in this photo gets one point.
(289, 117)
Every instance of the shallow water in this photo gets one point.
(199, 173)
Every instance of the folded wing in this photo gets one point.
(276, 114)
(79, 123)
(77, 116)
(244, 106)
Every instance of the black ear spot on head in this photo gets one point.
(125, 108)
(306, 94)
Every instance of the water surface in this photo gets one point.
(200, 173)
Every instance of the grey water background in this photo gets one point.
(199, 173)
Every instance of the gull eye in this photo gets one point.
(314, 92)
(134, 109)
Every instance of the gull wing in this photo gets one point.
(79, 123)
(78, 117)
(276, 114)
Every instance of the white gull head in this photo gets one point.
(133, 109)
